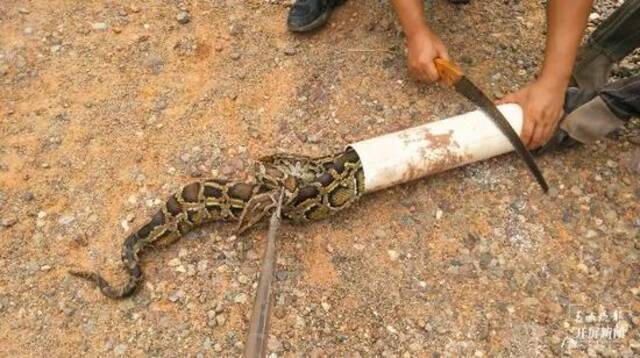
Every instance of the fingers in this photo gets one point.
(538, 136)
(515, 97)
(545, 130)
(432, 71)
(528, 128)
(442, 52)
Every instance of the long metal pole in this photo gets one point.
(256, 344)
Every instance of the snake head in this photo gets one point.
(258, 207)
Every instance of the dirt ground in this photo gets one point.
(105, 109)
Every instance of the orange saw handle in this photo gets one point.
(449, 72)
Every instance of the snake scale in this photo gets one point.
(314, 189)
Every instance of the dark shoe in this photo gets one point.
(306, 15)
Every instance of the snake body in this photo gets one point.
(314, 189)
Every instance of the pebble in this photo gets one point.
(8, 221)
(575, 190)
(45, 268)
(235, 56)
(313, 138)
(235, 29)
(208, 343)
(202, 265)
(99, 26)
(183, 17)
(177, 296)
(274, 345)
(220, 320)
(155, 63)
(439, 214)
(393, 255)
(241, 298)
(290, 51)
(66, 219)
(379, 234)
(120, 349)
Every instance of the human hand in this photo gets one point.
(542, 104)
(423, 48)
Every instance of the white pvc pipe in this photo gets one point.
(434, 147)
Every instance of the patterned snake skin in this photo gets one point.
(314, 189)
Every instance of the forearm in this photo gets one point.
(566, 21)
(411, 16)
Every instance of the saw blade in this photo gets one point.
(467, 88)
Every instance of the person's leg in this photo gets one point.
(592, 115)
(615, 38)
(602, 114)
(623, 97)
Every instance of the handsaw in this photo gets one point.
(452, 75)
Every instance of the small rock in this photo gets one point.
(207, 344)
(379, 234)
(439, 214)
(274, 345)
(220, 320)
(575, 190)
(45, 268)
(66, 219)
(160, 105)
(202, 265)
(612, 164)
(154, 63)
(313, 138)
(235, 29)
(325, 306)
(591, 234)
(99, 26)
(594, 16)
(393, 255)
(8, 221)
(241, 298)
(177, 296)
(289, 51)
(120, 349)
(24, 11)
(235, 56)
(183, 17)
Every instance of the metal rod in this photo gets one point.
(256, 346)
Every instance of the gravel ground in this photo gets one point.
(106, 109)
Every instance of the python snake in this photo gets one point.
(314, 189)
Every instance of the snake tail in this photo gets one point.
(196, 204)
